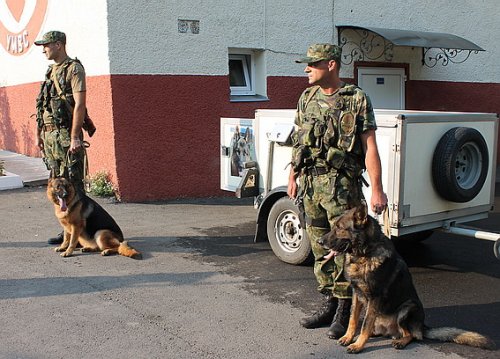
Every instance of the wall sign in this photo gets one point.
(20, 24)
(186, 26)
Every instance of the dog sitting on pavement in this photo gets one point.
(85, 222)
(383, 285)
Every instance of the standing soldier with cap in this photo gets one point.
(61, 113)
(333, 144)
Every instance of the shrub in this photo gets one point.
(101, 185)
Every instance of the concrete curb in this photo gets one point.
(10, 181)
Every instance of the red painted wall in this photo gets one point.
(17, 129)
(453, 96)
(167, 131)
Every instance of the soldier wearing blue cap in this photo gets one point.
(61, 113)
(334, 142)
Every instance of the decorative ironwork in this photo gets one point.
(445, 56)
(367, 46)
(361, 44)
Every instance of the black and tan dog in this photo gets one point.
(382, 284)
(85, 222)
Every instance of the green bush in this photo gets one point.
(101, 185)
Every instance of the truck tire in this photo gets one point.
(460, 164)
(286, 235)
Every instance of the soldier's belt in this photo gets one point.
(49, 127)
(317, 171)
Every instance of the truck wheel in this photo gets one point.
(286, 235)
(460, 164)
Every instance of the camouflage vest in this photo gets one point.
(50, 101)
(328, 131)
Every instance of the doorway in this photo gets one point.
(384, 85)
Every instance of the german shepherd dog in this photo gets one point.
(383, 285)
(85, 222)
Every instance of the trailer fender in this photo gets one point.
(263, 212)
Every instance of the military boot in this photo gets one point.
(341, 319)
(323, 316)
(57, 239)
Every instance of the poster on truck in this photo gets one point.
(238, 144)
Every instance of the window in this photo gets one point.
(241, 75)
(247, 75)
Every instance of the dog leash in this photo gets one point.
(86, 177)
(387, 226)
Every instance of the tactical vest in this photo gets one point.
(327, 133)
(58, 110)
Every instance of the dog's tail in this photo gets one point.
(459, 336)
(125, 250)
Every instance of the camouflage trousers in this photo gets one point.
(59, 161)
(325, 198)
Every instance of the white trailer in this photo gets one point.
(438, 170)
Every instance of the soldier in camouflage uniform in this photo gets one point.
(61, 110)
(334, 143)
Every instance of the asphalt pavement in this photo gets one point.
(202, 290)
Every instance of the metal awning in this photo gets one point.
(449, 44)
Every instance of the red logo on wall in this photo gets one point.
(20, 24)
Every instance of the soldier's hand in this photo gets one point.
(378, 202)
(292, 189)
(76, 145)
(39, 143)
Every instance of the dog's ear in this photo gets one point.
(360, 215)
(248, 135)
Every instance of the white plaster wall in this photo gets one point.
(144, 36)
(474, 20)
(85, 25)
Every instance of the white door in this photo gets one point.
(385, 86)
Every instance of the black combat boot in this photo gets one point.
(341, 319)
(57, 239)
(323, 316)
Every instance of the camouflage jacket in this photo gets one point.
(54, 106)
(329, 128)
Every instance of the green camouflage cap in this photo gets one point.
(318, 52)
(51, 36)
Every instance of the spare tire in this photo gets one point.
(460, 164)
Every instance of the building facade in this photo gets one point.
(161, 74)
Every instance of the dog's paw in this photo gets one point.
(136, 255)
(105, 252)
(345, 340)
(67, 254)
(401, 343)
(354, 348)
(60, 249)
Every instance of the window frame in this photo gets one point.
(248, 65)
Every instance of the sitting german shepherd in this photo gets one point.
(85, 222)
(382, 284)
